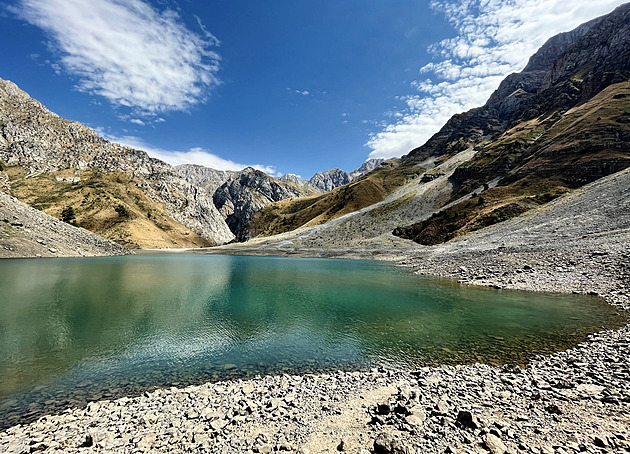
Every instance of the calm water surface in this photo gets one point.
(73, 330)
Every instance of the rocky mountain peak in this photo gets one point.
(366, 167)
(555, 46)
(238, 199)
(205, 177)
(329, 180)
(292, 178)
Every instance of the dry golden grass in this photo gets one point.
(138, 222)
(289, 215)
(540, 159)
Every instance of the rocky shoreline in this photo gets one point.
(572, 401)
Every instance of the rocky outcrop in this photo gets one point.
(238, 199)
(41, 142)
(366, 167)
(5, 183)
(334, 178)
(292, 178)
(205, 177)
(329, 180)
(515, 97)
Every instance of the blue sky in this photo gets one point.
(285, 85)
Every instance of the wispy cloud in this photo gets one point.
(494, 38)
(128, 52)
(196, 155)
(299, 91)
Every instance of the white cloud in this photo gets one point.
(494, 38)
(128, 52)
(196, 155)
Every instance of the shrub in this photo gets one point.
(68, 215)
(122, 211)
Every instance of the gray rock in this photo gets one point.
(387, 444)
(252, 190)
(329, 180)
(494, 444)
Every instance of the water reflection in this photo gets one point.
(78, 329)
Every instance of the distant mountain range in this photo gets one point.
(562, 122)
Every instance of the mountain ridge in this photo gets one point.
(555, 126)
(56, 162)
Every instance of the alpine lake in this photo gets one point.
(74, 330)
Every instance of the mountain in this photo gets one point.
(115, 191)
(331, 179)
(292, 178)
(568, 127)
(372, 188)
(248, 192)
(562, 122)
(365, 168)
(205, 177)
(125, 195)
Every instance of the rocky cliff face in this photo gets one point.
(293, 179)
(205, 177)
(329, 180)
(365, 168)
(238, 199)
(42, 144)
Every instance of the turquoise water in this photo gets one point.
(74, 330)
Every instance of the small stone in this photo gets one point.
(494, 444)
(442, 407)
(218, 424)
(589, 390)
(553, 409)
(341, 446)
(414, 421)
(385, 444)
(419, 412)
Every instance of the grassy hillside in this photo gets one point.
(289, 215)
(539, 159)
(110, 204)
